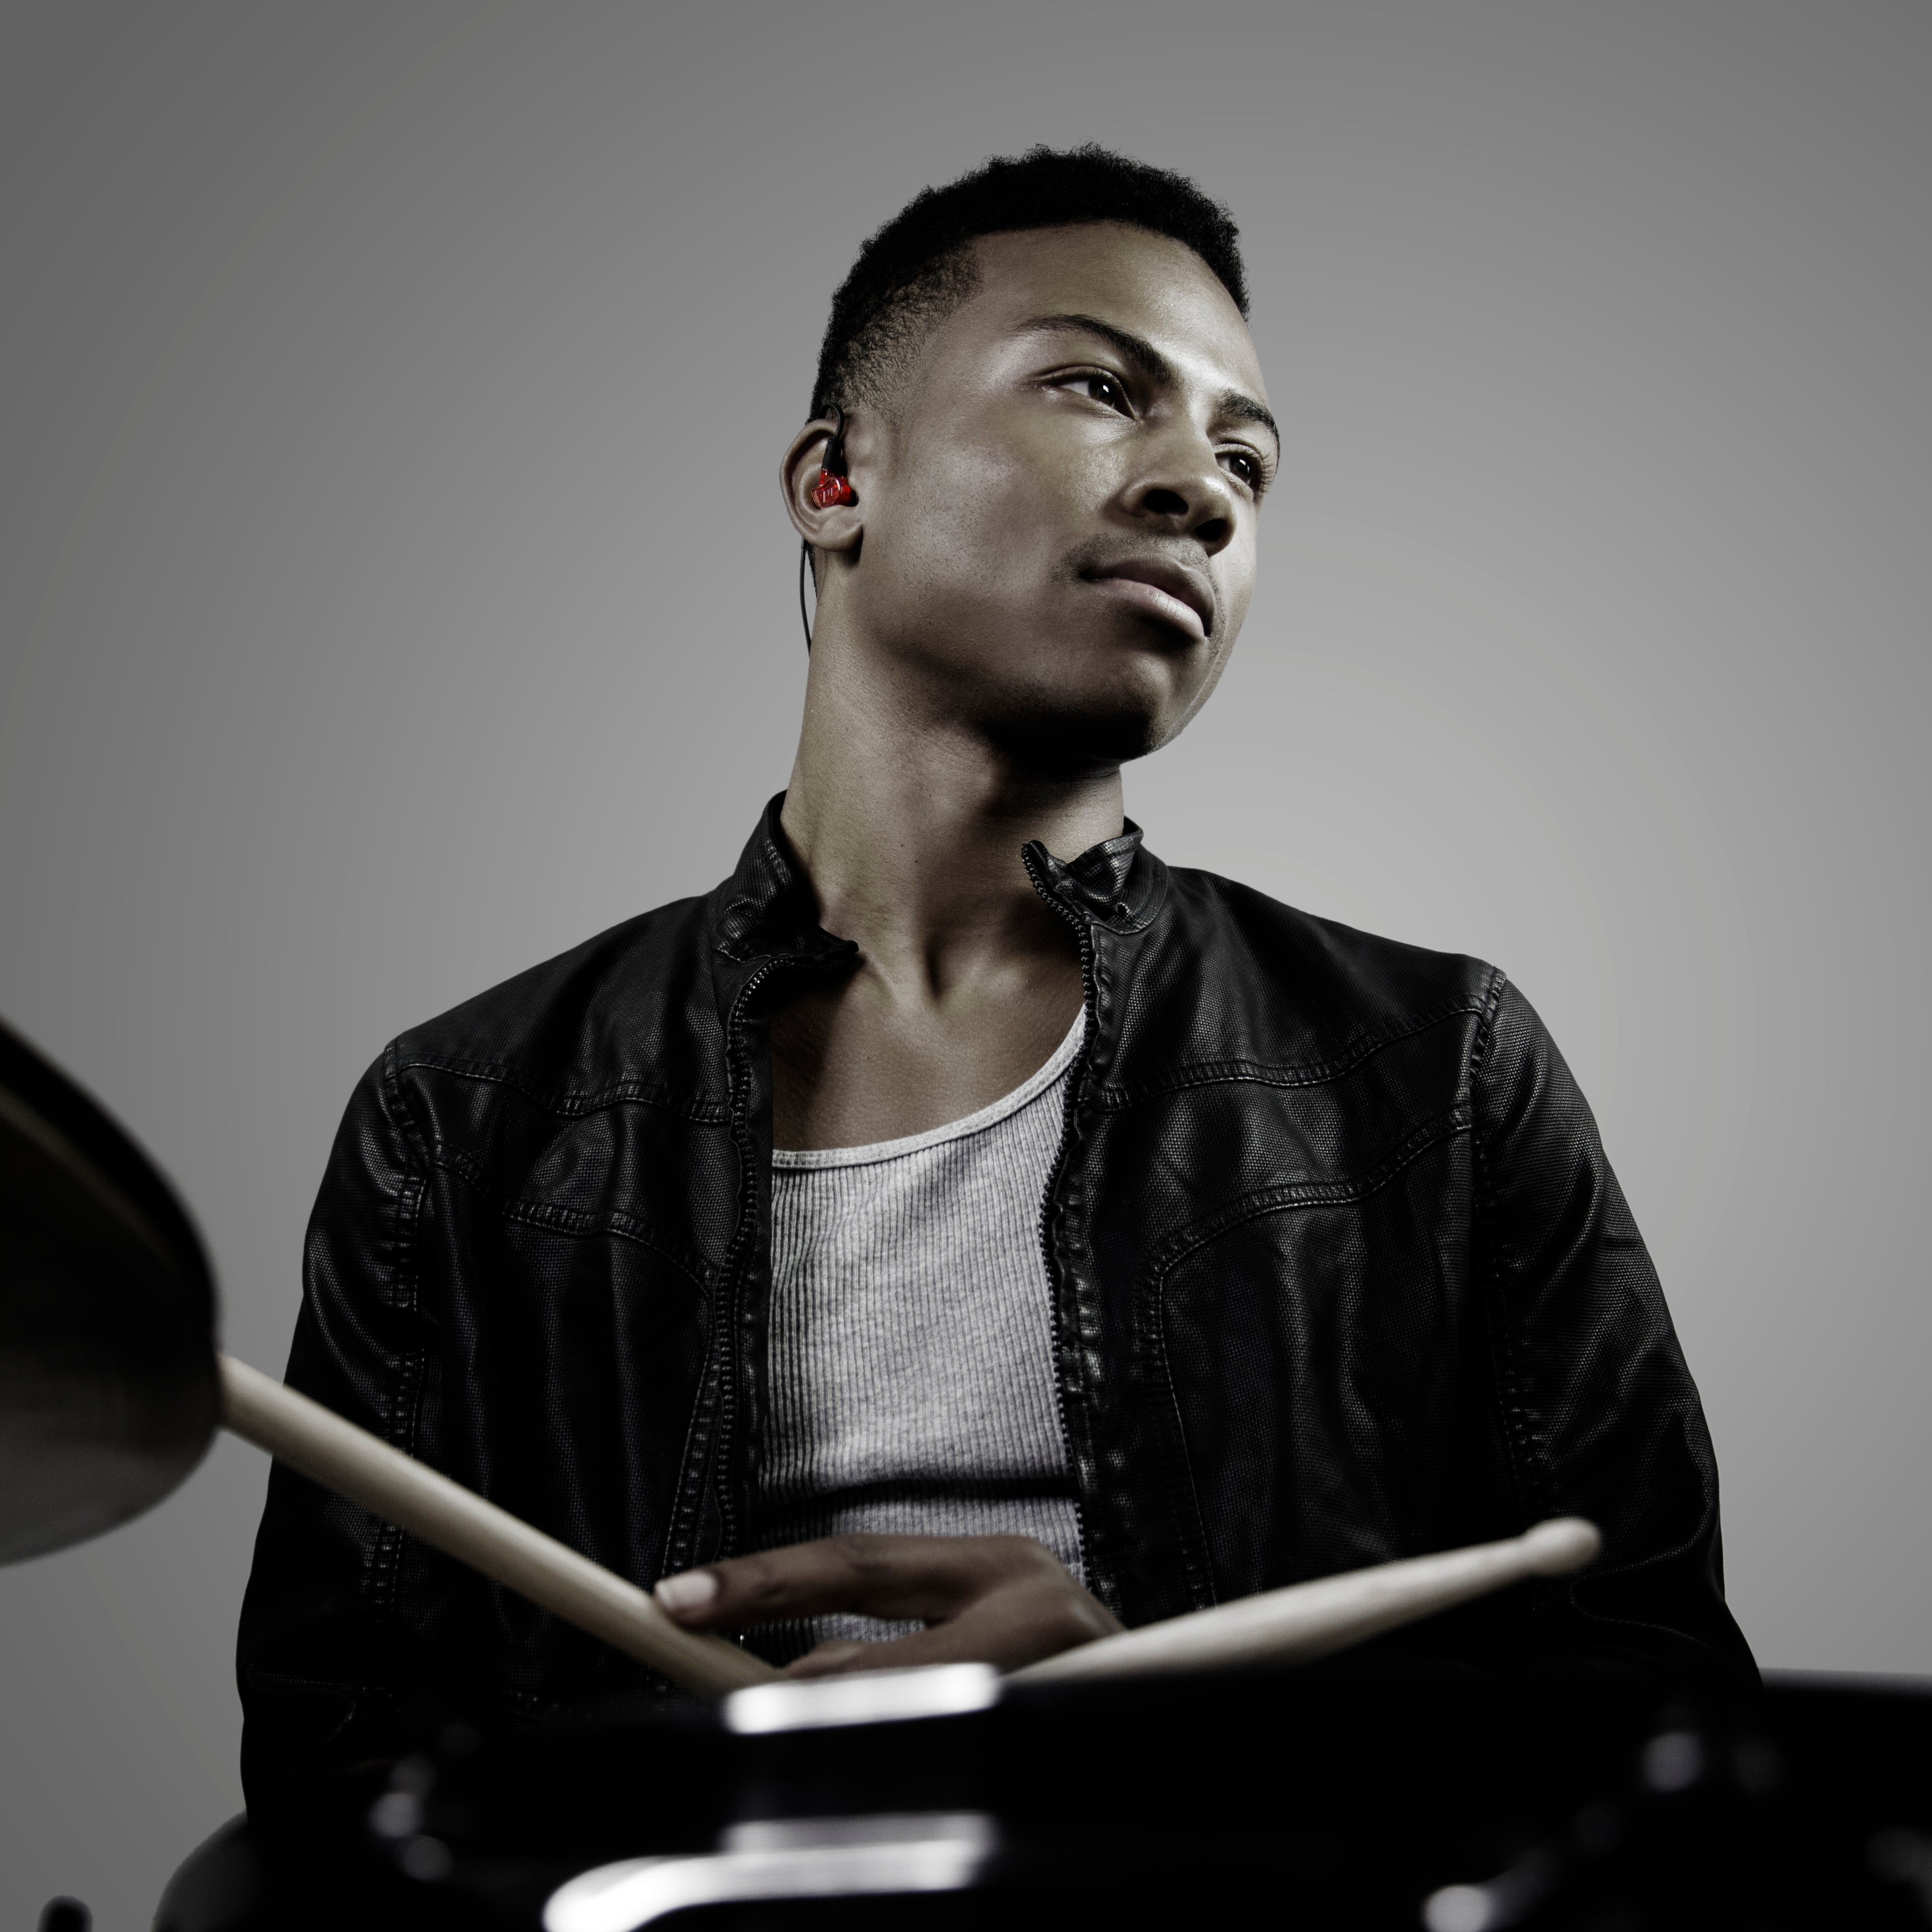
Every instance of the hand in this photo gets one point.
(999, 1600)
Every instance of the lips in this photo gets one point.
(1168, 592)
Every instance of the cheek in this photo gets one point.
(1237, 581)
(978, 516)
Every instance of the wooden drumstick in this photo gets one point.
(336, 1453)
(1304, 1621)
(1309, 1620)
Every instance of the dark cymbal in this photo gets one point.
(108, 1395)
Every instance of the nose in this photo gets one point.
(1184, 490)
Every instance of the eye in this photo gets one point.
(1098, 386)
(1247, 466)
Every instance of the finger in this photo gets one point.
(921, 1578)
(905, 1576)
(1017, 1625)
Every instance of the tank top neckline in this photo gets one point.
(794, 1159)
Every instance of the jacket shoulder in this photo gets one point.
(630, 1010)
(1336, 981)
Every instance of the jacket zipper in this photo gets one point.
(1083, 937)
(731, 1285)
(737, 1075)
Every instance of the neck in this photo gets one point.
(909, 823)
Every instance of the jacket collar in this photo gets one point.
(768, 907)
(1118, 884)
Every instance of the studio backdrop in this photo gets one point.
(394, 590)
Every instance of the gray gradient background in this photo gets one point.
(393, 590)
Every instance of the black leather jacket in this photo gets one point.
(1340, 1274)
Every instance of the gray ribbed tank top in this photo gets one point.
(910, 1337)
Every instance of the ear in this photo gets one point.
(840, 527)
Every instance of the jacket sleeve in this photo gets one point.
(316, 1658)
(1599, 1416)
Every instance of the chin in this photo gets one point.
(1074, 704)
(1104, 709)
(1072, 736)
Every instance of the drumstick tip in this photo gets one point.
(1562, 1544)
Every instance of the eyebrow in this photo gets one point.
(1148, 360)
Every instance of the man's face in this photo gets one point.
(1059, 514)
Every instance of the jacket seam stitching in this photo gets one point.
(1196, 1553)
(567, 1103)
(1293, 1073)
(1195, 1549)
(402, 1395)
(1177, 1247)
(1530, 1470)
(300, 1680)
(560, 1219)
(1059, 1204)
(727, 1310)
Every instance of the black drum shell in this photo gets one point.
(1339, 1796)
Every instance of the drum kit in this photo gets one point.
(1245, 1762)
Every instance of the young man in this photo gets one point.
(959, 1219)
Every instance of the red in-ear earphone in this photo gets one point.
(834, 489)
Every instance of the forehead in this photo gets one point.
(1155, 287)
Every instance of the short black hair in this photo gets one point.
(918, 265)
